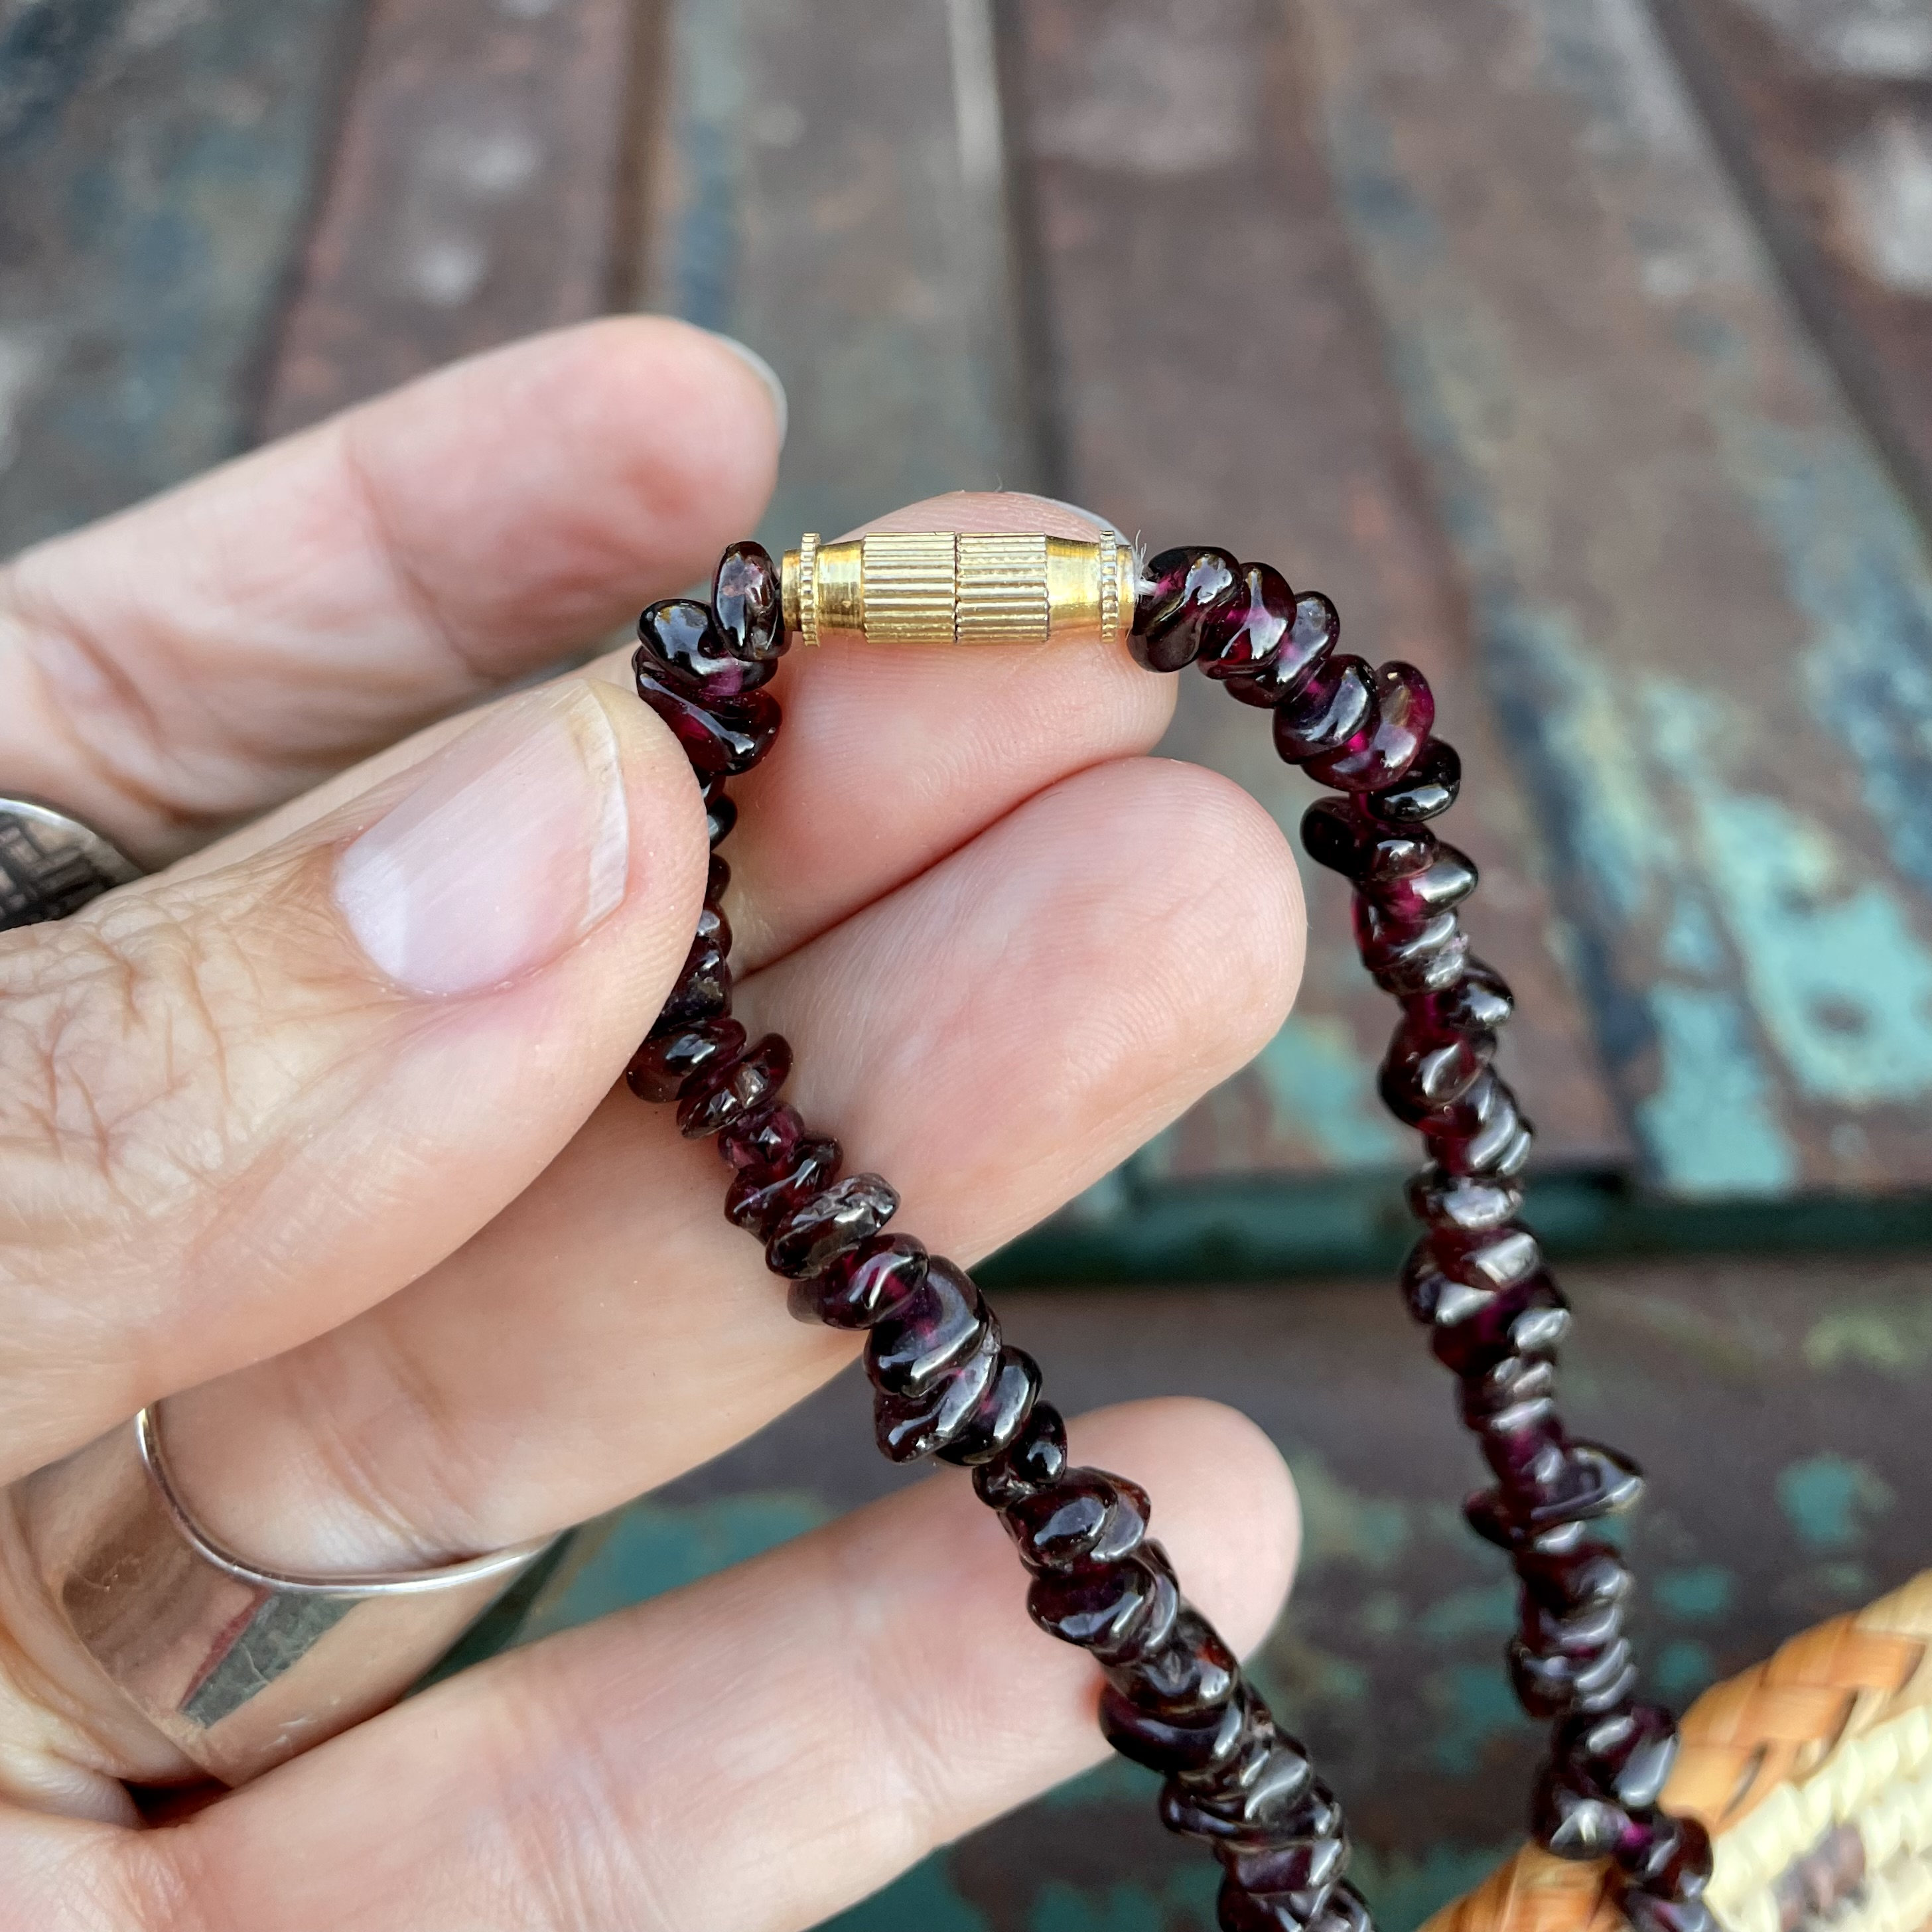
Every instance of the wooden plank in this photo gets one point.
(478, 192)
(1825, 114)
(1221, 381)
(829, 189)
(1705, 612)
(1777, 1406)
(157, 161)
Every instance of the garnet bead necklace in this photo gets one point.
(947, 1384)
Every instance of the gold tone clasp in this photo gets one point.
(940, 587)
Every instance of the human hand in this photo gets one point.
(314, 1134)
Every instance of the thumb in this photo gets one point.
(238, 1105)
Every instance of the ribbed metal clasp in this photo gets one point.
(938, 587)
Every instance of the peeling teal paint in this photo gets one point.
(1684, 1668)
(1341, 1524)
(1403, 1892)
(1897, 1341)
(924, 1899)
(1828, 1498)
(1695, 1594)
(654, 1546)
(1127, 1907)
(1711, 1123)
(1477, 1704)
(1490, 1611)
(1314, 1074)
(1839, 979)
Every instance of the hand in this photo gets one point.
(313, 1133)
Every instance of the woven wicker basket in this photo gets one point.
(1813, 1773)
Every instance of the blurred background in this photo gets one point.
(1581, 349)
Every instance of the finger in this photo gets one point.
(993, 1037)
(236, 1108)
(222, 647)
(748, 1755)
(890, 757)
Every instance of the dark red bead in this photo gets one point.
(1118, 1613)
(1181, 589)
(1311, 637)
(1648, 1913)
(721, 811)
(1426, 790)
(1480, 1001)
(1418, 1079)
(1251, 640)
(661, 1066)
(1669, 1858)
(1572, 1823)
(846, 1213)
(1308, 1849)
(1001, 1414)
(721, 740)
(863, 1286)
(717, 1096)
(1190, 1742)
(1591, 1481)
(941, 1323)
(716, 878)
(1379, 755)
(757, 1203)
(1486, 1135)
(1448, 879)
(1411, 961)
(1469, 1203)
(704, 988)
(1557, 1686)
(1087, 1516)
(1577, 1574)
(747, 606)
(1624, 1755)
(1192, 1670)
(907, 1426)
(762, 1139)
(1249, 1798)
(1334, 703)
(680, 646)
(1035, 1457)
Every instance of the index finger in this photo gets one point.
(199, 657)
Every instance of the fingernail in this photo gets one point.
(514, 844)
(766, 373)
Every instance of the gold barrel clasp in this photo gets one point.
(940, 587)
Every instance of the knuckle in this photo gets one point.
(119, 1031)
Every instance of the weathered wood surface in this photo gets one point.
(1220, 379)
(828, 187)
(480, 189)
(1824, 110)
(155, 163)
(1779, 1410)
(1705, 612)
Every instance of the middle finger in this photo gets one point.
(994, 1036)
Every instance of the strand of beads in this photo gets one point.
(946, 1383)
(1476, 1279)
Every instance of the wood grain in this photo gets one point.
(1220, 380)
(1704, 611)
(156, 161)
(478, 191)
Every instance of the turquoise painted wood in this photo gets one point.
(1705, 612)
(156, 162)
(828, 188)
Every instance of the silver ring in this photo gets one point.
(238, 1666)
(52, 865)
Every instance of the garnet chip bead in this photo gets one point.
(946, 1384)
